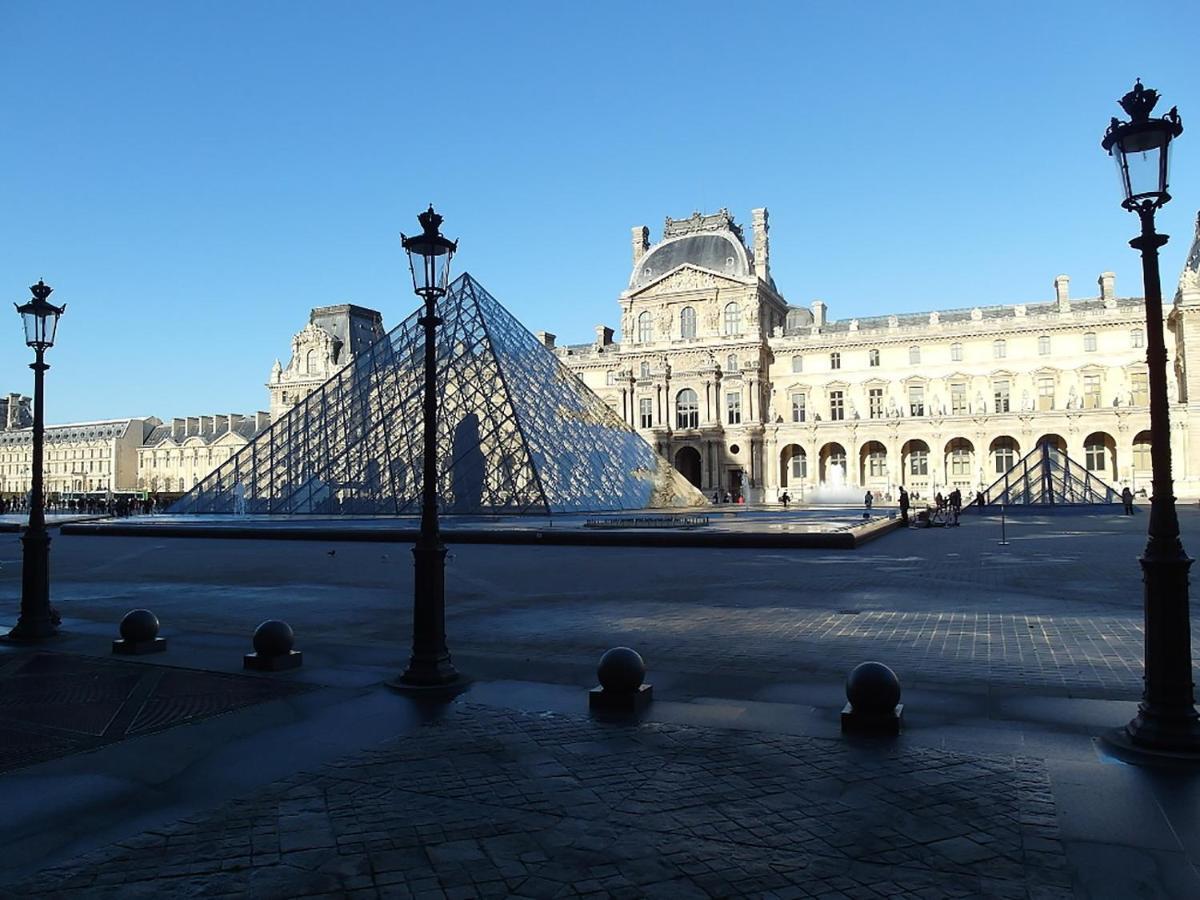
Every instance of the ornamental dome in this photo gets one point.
(718, 252)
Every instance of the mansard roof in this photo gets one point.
(712, 242)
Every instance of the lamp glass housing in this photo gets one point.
(429, 256)
(1143, 152)
(41, 323)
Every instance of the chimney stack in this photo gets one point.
(262, 420)
(546, 338)
(178, 428)
(193, 425)
(762, 243)
(641, 243)
(818, 313)
(1108, 288)
(604, 336)
(1062, 286)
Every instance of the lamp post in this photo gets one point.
(1167, 723)
(37, 620)
(429, 255)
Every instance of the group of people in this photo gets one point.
(946, 509)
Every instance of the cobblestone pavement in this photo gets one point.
(486, 802)
(55, 704)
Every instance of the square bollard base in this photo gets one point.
(601, 700)
(885, 723)
(137, 648)
(290, 660)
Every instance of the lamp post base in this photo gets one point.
(1121, 744)
(430, 670)
(29, 630)
(37, 620)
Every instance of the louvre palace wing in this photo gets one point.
(517, 432)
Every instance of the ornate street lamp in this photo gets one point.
(429, 255)
(1167, 724)
(37, 619)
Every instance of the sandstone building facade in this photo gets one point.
(79, 458)
(749, 394)
(176, 456)
(333, 336)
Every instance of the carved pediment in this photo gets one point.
(687, 278)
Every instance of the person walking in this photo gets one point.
(1127, 499)
(867, 500)
(785, 499)
(903, 506)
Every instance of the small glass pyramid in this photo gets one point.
(1047, 476)
(517, 432)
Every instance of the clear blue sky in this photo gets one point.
(193, 177)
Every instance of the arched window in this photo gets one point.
(733, 319)
(310, 362)
(687, 409)
(687, 322)
(645, 328)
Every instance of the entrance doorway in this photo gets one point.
(687, 463)
(735, 484)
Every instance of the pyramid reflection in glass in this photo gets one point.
(517, 433)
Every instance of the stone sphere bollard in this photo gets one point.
(622, 690)
(872, 687)
(139, 625)
(273, 642)
(621, 669)
(274, 638)
(139, 634)
(874, 694)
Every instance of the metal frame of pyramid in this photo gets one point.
(1046, 476)
(517, 433)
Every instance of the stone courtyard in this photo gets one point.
(735, 782)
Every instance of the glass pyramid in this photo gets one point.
(517, 432)
(1047, 476)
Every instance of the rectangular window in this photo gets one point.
(799, 467)
(1139, 388)
(835, 360)
(798, 407)
(877, 465)
(646, 412)
(1044, 345)
(797, 364)
(1091, 391)
(956, 352)
(873, 358)
(1137, 338)
(916, 399)
(733, 403)
(875, 403)
(1045, 389)
(1000, 393)
(958, 399)
(837, 408)
(1089, 342)
(960, 462)
(914, 355)
(999, 349)
(918, 462)
(1093, 457)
